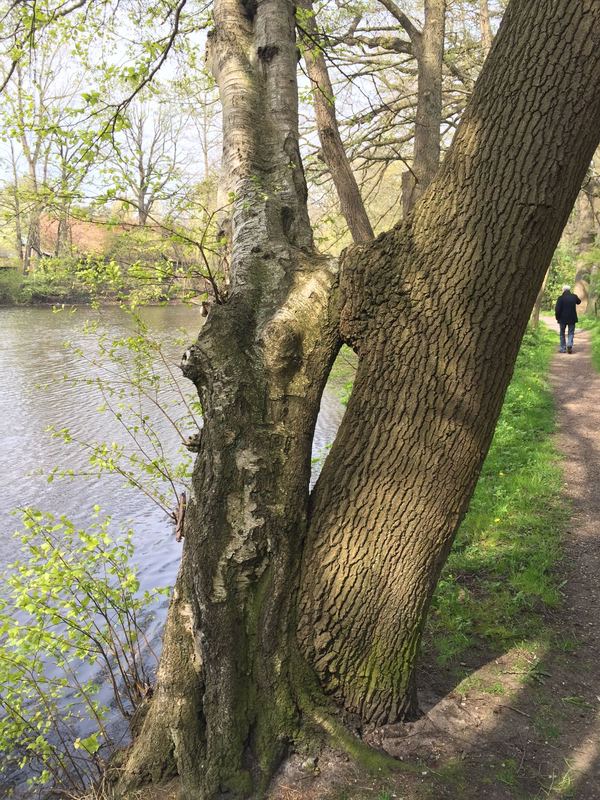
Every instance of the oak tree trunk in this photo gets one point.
(435, 309)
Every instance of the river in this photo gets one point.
(37, 391)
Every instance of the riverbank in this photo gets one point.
(510, 660)
(17, 289)
(43, 384)
(47, 288)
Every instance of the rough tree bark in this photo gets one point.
(436, 309)
(332, 147)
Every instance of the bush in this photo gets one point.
(72, 601)
(10, 285)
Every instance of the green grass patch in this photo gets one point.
(342, 373)
(592, 324)
(501, 573)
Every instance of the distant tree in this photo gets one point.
(146, 163)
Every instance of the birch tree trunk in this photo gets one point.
(225, 708)
(436, 309)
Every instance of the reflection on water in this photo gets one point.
(33, 361)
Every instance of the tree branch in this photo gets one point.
(410, 28)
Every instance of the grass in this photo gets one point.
(592, 324)
(501, 574)
(342, 373)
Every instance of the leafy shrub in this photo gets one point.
(10, 284)
(72, 602)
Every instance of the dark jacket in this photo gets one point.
(565, 310)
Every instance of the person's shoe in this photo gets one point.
(569, 350)
(562, 351)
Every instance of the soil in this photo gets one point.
(524, 725)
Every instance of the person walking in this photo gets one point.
(565, 312)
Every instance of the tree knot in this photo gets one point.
(267, 52)
(249, 7)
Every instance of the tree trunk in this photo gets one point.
(485, 26)
(429, 48)
(62, 234)
(537, 306)
(582, 286)
(436, 310)
(17, 207)
(63, 230)
(332, 147)
(33, 246)
(226, 703)
(18, 230)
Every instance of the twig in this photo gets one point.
(516, 710)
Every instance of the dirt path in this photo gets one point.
(524, 725)
(577, 394)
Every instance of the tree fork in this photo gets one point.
(432, 373)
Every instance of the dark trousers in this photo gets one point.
(571, 333)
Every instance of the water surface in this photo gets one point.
(34, 363)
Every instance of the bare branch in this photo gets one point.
(410, 28)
